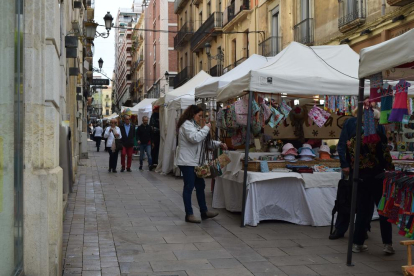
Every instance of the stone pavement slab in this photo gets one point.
(132, 223)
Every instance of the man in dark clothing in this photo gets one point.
(144, 142)
(128, 135)
(155, 135)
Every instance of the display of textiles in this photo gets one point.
(397, 201)
(341, 105)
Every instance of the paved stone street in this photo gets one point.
(133, 224)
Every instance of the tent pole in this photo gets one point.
(355, 176)
(246, 156)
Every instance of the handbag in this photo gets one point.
(202, 171)
(118, 145)
(223, 160)
(215, 169)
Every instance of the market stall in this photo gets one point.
(302, 72)
(390, 60)
(143, 108)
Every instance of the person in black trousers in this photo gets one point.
(144, 142)
(128, 136)
(111, 133)
(155, 135)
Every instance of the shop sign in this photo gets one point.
(330, 130)
(100, 82)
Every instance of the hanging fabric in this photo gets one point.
(400, 107)
(318, 115)
(285, 108)
(386, 103)
(375, 85)
(370, 132)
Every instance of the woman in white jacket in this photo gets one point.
(190, 141)
(111, 133)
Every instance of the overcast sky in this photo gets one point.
(104, 47)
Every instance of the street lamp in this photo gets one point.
(108, 21)
(100, 62)
(219, 57)
(90, 29)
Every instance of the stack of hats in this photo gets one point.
(324, 152)
(306, 153)
(289, 152)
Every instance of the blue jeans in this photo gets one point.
(191, 181)
(147, 149)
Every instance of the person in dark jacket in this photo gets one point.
(128, 135)
(155, 135)
(144, 142)
(374, 158)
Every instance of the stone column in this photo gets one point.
(42, 190)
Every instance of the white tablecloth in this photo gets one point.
(278, 198)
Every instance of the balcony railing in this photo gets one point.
(304, 32)
(271, 46)
(216, 71)
(182, 77)
(215, 21)
(178, 5)
(233, 65)
(183, 35)
(234, 9)
(352, 19)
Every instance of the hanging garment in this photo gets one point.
(400, 107)
(242, 107)
(284, 108)
(265, 113)
(386, 103)
(370, 133)
(275, 118)
(318, 115)
(375, 85)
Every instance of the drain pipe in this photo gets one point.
(383, 8)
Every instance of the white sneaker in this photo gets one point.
(388, 249)
(359, 248)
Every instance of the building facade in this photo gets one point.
(137, 89)
(127, 18)
(44, 86)
(217, 35)
(159, 52)
(107, 102)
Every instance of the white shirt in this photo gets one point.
(98, 131)
(110, 136)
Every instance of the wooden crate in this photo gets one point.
(254, 166)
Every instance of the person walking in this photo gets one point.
(111, 133)
(128, 136)
(98, 136)
(155, 135)
(144, 142)
(190, 142)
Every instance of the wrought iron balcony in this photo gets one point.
(234, 9)
(233, 65)
(351, 19)
(304, 32)
(183, 35)
(182, 77)
(179, 5)
(211, 26)
(271, 46)
(399, 2)
(216, 71)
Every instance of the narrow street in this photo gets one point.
(133, 224)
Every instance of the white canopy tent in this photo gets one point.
(302, 70)
(210, 87)
(143, 108)
(177, 100)
(387, 55)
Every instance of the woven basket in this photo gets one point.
(254, 166)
